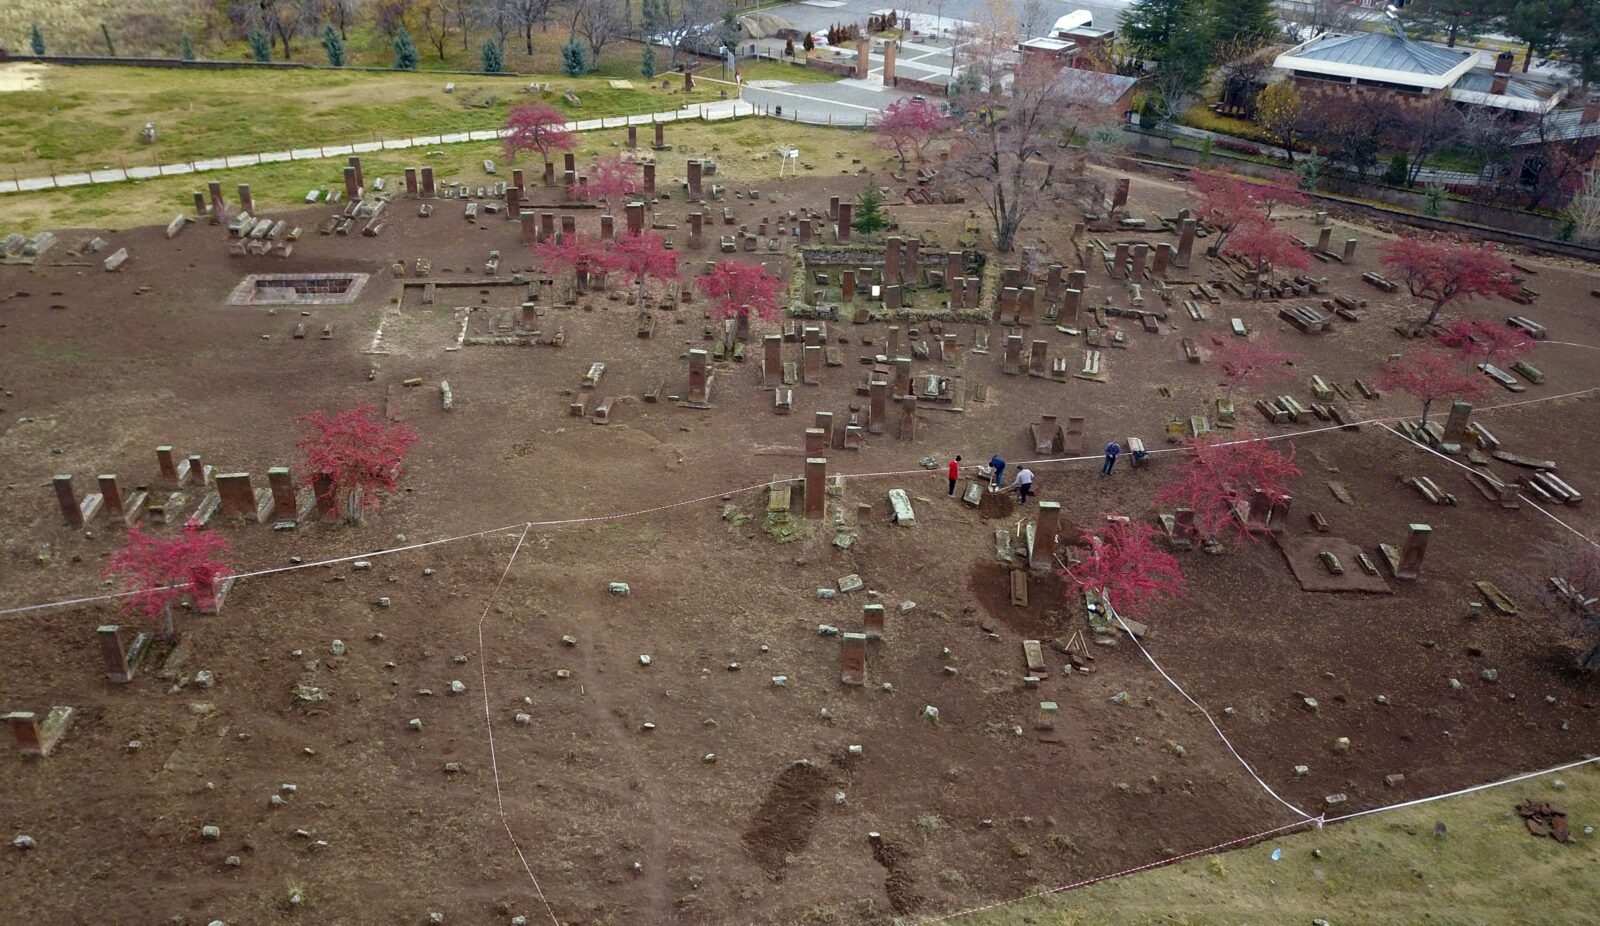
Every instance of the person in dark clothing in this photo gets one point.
(955, 474)
(998, 464)
(1112, 449)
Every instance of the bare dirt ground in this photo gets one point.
(100, 368)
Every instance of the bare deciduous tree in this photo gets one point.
(599, 21)
(465, 14)
(390, 15)
(1305, 18)
(530, 13)
(1427, 129)
(1014, 150)
(501, 18)
(1584, 210)
(1567, 584)
(341, 13)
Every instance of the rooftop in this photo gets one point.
(1383, 51)
(1047, 44)
(1521, 93)
(1095, 87)
(1567, 125)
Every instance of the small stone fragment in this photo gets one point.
(210, 833)
(457, 687)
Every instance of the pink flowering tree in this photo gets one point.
(1430, 374)
(1219, 475)
(536, 127)
(572, 254)
(1446, 274)
(1243, 361)
(613, 180)
(355, 454)
(1264, 246)
(737, 289)
(641, 257)
(909, 125)
(157, 571)
(1126, 567)
(1226, 202)
(1482, 341)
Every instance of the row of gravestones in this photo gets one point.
(230, 495)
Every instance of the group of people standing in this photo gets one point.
(1022, 482)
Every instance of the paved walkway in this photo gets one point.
(710, 112)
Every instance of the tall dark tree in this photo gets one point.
(1248, 22)
(1174, 34)
(1149, 25)
(186, 50)
(405, 50)
(333, 45)
(1537, 23)
(1580, 39)
(36, 40)
(260, 45)
(492, 62)
(1451, 19)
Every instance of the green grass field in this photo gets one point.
(779, 70)
(1384, 870)
(90, 117)
(740, 146)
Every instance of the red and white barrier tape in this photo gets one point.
(1148, 866)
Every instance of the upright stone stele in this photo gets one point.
(816, 486)
(1411, 554)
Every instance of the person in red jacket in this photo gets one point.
(955, 474)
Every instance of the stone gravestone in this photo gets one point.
(1185, 244)
(853, 658)
(699, 377)
(816, 486)
(873, 618)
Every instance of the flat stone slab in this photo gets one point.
(851, 583)
(901, 503)
(1304, 556)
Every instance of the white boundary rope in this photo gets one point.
(1207, 714)
(488, 723)
(1221, 846)
(1483, 787)
(1458, 463)
(23, 609)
